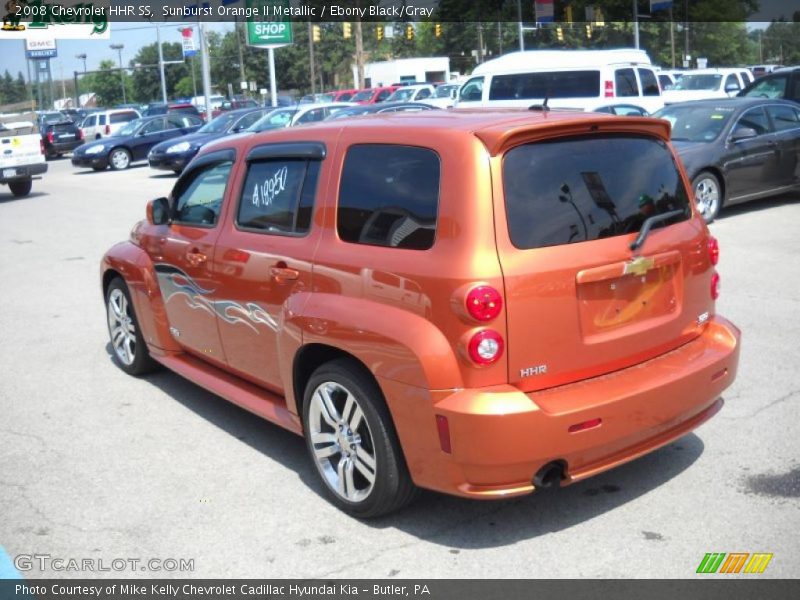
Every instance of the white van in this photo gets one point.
(584, 79)
(105, 123)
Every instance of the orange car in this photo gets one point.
(479, 303)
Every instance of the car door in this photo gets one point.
(182, 253)
(148, 136)
(263, 257)
(752, 163)
(786, 122)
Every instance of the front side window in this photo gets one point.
(472, 90)
(383, 95)
(311, 116)
(546, 84)
(389, 196)
(278, 196)
(756, 119)
(649, 83)
(769, 87)
(198, 198)
(586, 188)
(625, 83)
(423, 93)
(154, 126)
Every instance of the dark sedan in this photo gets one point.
(383, 107)
(175, 154)
(132, 142)
(736, 149)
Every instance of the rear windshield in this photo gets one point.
(581, 189)
(548, 84)
(123, 117)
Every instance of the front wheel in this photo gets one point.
(119, 159)
(352, 442)
(20, 189)
(127, 342)
(707, 195)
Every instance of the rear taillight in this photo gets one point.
(715, 286)
(108, 129)
(609, 89)
(484, 303)
(51, 137)
(41, 146)
(713, 250)
(80, 134)
(485, 347)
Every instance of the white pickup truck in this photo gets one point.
(21, 152)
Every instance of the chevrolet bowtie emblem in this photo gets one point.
(638, 266)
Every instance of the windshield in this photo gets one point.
(218, 125)
(361, 96)
(129, 129)
(695, 123)
(401, 95)
(698, 82)
(444, 91)
(274, 120)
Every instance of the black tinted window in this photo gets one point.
(580, 189)
(783, 117)
(625, 82)
(554, 84)
(278, 196)
(389, 196)
(649, 83)
(198, 197)
(123, 117)
(755, 118)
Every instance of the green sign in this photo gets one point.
(269, 28)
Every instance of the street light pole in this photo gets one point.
(83, 58)
(519, 23)
(635, 24)
(118, 48)
(161, 65)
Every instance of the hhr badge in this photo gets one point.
(531, 371)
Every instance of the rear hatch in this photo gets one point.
(65, 132)
(580, 302)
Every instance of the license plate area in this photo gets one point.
(9, 173)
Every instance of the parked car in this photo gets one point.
(184, 108)
(582, 79)
(234, 104)
(382, 108)
(374, 95)
(782, 83)
(708, 83)
(412, 93)
(737, 149)
(622, 110)
(60, 137)
(107, 122)
(761, 70)
(175, 153)
(297, 115)
(133, 142)
(444, 96)
(22, 157)
(299, 273)
(50, 116)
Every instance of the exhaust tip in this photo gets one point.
(549, 476)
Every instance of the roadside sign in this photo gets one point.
(41, 48)
(187, 40)
(273, 31)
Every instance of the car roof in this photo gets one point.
(735, 102)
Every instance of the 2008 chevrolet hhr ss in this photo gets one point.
(479, 303)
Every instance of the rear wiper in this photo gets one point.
(648, 225)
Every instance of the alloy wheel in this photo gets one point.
(706, 193)
(120, 159)
(121, 327)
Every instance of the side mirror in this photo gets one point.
(158, 211)
(743, 133)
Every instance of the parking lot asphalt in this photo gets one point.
(97, 465)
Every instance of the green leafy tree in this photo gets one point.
(106, 84)
(146, 82)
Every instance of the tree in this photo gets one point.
(147, 81)
(106, 84)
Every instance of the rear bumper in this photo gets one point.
(63, 146)
(501, 437)
(22, 172)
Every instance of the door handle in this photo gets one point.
(281, 273)
(195, 257)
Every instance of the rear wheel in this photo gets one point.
(352, 442)
(20, 188)
(707, 195)
(119, 159)
(130, 350)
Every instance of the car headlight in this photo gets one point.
(182, 147)
(95, 149)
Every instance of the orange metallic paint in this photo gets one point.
(649, 372)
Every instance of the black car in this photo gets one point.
(133, 141)
(736, 149)
(159, 108)
(60, 137)
(175, 154)
(383, 107)
(780, 84)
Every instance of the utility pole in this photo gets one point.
(672, 37)
(238, 29)
(359, 55)
(760, 48)
(480, 42)
(686, 30)
(118, 48)
(635, 24)
(206, 71)
(311, 57)
(519, 23)
(161, 65)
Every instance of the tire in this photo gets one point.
(708, 195)
(127, 343)
(119, 159)
(99, 168)
(20, 188)
(370, 477)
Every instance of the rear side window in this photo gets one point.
(389, 196)
(586, 188)
(625, 83)
(769, 87)
(198, 200)
(784, 117)
(548, 84)
(123, 117)
(472, 90)
(102, 119)
(383, 95)
(278, 196)
(649, 83)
